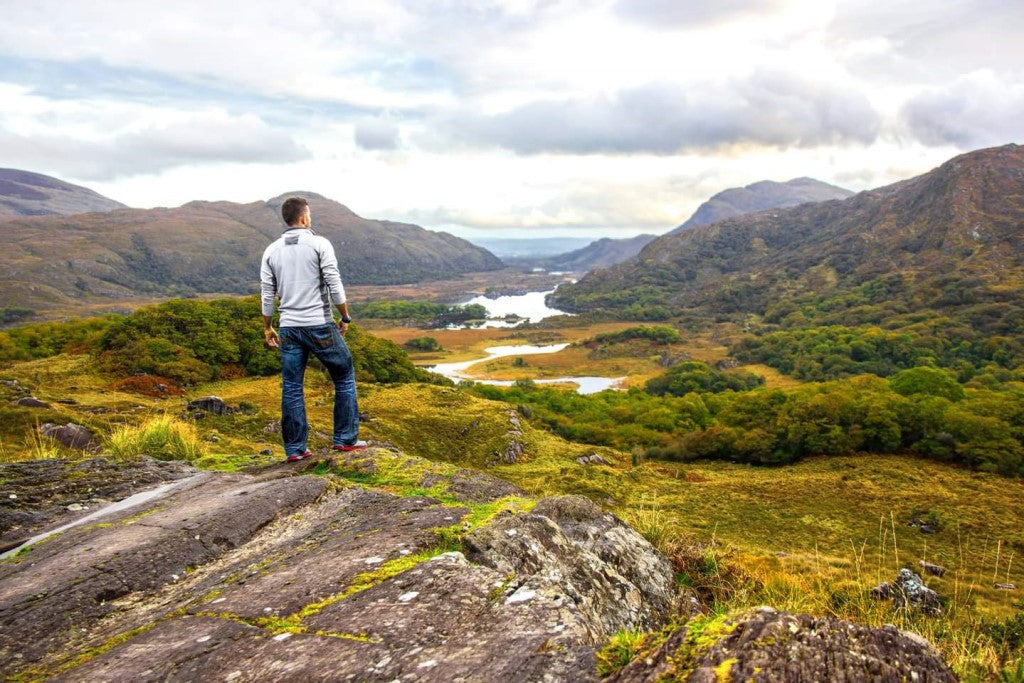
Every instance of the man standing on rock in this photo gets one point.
(301, 270)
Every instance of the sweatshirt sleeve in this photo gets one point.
(268, 285)
(329, 272)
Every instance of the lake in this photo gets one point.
(530, 306)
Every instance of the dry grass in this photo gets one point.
(162, 437)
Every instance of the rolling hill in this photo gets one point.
(598, 254)
(204, 247)
(952, 237)
(32, 194)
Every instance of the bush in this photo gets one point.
(697, 376)
(423, 344)
(659, 334)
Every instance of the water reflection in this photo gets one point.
(530, 307)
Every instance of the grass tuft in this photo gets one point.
(162, 437)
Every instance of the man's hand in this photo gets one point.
(270, 335)
(342, 327)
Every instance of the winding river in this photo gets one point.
(585, 385)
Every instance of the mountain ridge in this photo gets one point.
(24, 193)
(600, 253)
(762, 195)
(207, 247)
(957, 225)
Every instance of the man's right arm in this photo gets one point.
(268, 290)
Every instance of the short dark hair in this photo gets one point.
(292, 209)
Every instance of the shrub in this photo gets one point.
(423, 344)
(928, 381)
(696, 376)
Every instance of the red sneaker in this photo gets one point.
(295, 457)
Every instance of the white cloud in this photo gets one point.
(673, 13)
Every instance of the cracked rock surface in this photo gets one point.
(285, 575)
(769, 645)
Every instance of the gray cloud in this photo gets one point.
(375, 134)
(974, 111)
(676, 13)
(153, 149)
(930, 44)
(767, 108)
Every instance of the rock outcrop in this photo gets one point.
(560, 563)
(293, 573)
(767, 645)
(37, 494)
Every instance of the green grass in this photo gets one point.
(810, 537)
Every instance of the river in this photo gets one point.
(585, 385)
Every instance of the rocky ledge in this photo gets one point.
(294, 573)
(375, 566)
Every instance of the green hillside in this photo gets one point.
(948, 240)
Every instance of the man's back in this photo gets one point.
(301, 269)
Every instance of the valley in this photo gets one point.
(813, 536)
(786, 427)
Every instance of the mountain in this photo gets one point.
(31, 194)
(951, 237)
(766, 194)
(598, 254)
(49, 261)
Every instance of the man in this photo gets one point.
(301, 270)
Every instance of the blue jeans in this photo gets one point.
(324, 342)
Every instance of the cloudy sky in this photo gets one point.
(502, 117)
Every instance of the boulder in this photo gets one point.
(933, 569)
(70, 435)
(31, 402)
(511, 454)
(594, 570)
(278, 576)
(616, 543)
(765, 645)
(926, 525)
(213, 405)
(14, 385)
(909, 591)
(882, 591)
(592, 459)
(1005, 586)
